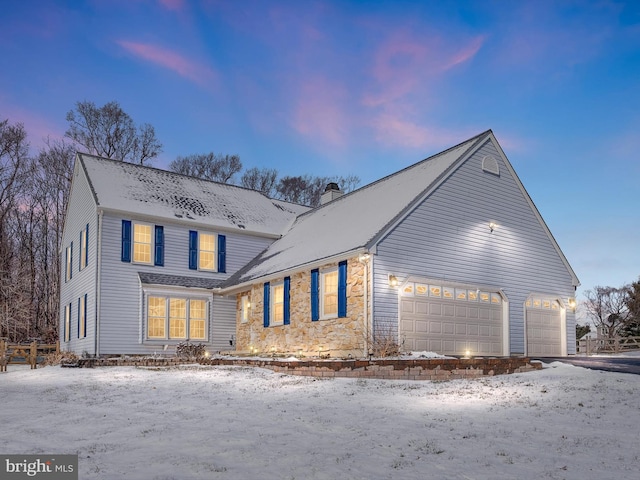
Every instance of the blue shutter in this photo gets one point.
(126, 241)
(66, 265)
(71, 261)
(86, 246)
(80, 252)
(287, 302)
(158, 257)
(193, 250)
(78, 318)
(265, 305)
(222, 253)
(342, 289)
(315, 301)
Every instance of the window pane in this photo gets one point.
(206, 251)
(197, 313)
(177, 318)
(330, 293)
(278, 304)
(141, 243)
(156, 317)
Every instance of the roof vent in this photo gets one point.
(331, 192)
(490, 165)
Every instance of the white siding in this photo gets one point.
(121, 314)
(447, 237)
(80, 212)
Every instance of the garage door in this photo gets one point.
(450, 320)
(544, 327)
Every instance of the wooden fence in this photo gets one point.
(607, 345)
(16, 353)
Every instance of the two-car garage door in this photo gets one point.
(451, 320)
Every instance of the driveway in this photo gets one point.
(609, 364)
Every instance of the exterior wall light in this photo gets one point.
(393, 281)
(571, 301)
(492, 226)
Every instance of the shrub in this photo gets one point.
(190, 351)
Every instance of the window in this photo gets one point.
(245, 306)
(329, 292)
(67, 322)
(177, 318)
(173, 317)
(207, 251)
(82, 316)
(156, 317)
(68, 273)
(142, 242)
(197, 319)
(84, 247)
(276, 306)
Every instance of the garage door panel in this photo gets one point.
(451, 326)
(407, 306)
(543, 332)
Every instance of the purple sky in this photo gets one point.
(365, 88)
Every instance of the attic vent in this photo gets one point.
(490, 164)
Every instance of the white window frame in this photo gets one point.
(135, 224)
(84, 246)
(245, 308)
(167, 297)
(273, 321)
(323, 294)
(67, 322)
(69, 263)
(82, 317)
(214, 252)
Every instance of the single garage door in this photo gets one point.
(544, 327)
(450, 320)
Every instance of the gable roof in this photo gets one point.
(134, 189)
(356, 222)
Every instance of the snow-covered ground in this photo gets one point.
(563, 422)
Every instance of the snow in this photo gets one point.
(126, 187)
(352, 221)
(196, 422)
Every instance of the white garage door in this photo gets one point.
(544, 328)
(450, 320)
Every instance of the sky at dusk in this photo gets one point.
(361, 87)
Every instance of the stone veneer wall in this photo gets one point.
(336, 337)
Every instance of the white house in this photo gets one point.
(448, 255)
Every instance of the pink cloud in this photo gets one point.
(196, 72)
(175, 5)
(38, 128)
(318, 112)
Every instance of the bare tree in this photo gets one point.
(208, 166)
(263, 180)
(307, 189)
(632, 329)
(607, 307)
(108, 131)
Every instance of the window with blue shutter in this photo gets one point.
(84, 248)
(126, 241)
(342, 289)
(265, 304)
(158, 256)
(193, 250)
(287, 301)
(222, 254)
(315, 299)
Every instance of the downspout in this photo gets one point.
(97, 283)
